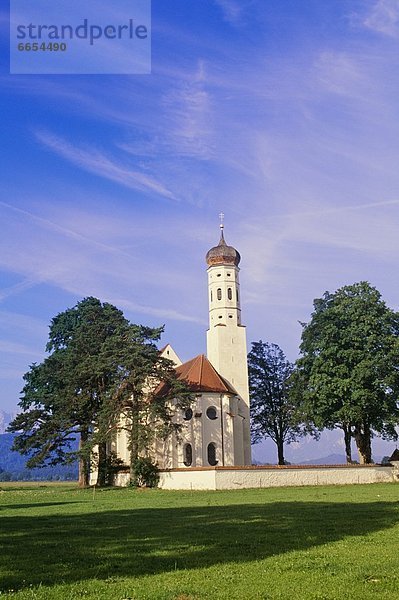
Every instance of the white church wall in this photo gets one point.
(122, 445)
(200, 431)
(168, 352)
(228, 450)
(197, 435)
(211, 428)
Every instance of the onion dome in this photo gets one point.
(222, 254)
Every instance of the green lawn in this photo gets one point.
(59, 542)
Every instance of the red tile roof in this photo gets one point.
(201, 376)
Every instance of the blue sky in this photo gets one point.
(283, 115)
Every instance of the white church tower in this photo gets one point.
(226, 337)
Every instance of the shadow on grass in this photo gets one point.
(57, 548)
(38, 505)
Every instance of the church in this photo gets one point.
(215, 430)
(213, 448)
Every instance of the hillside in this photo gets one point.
(12, 466)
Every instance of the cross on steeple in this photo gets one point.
(221, 217)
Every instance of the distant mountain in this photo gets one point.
(331, 459)
(13, 466)
(5, 420)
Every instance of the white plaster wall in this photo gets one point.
(188, 480)
(200, 431)
(122, 479)
(93, 470)
(224, 277)
(228, 449)
(227, 351)
(169, 353)
(247, 478)
(122, 445)
(395, 473)
(229, 479)
(211, 429)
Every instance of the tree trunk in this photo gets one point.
(280, 452)
(348, 441)
(84, 462)
(102, 464)
(362, 436)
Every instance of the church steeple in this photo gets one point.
(222, 254)
(223, 283)
(226, 337)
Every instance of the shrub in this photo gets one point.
(146, 473)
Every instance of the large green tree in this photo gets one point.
(147, 397)
(99, 366)
(274, 414)
(350, 365)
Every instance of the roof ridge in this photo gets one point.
(201, 366)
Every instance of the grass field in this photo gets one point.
(59, 542)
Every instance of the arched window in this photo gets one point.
(211, 413)
(237, 294)
(188, 455)
(211, 296)
(230, 293)
(188, 414)
(212, 454)
(219, 294)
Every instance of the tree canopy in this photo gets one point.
(273, 412)
(350, 365)
(99, 367)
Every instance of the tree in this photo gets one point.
(273, 414)
(64, 395)
(350, 365)
(97, 362)
(148, 395)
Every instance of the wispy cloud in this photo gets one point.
(60, 256)
(13, 322)
(189, 114)
(15, 348)
(341, 73)
(232, 9)
(94, 161)
(159, 312)
(341, 209)
(17, 288)
(57, 228)
(384, 17)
